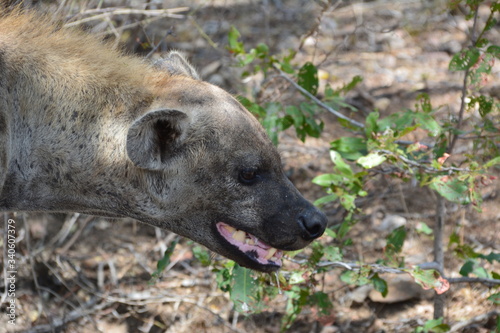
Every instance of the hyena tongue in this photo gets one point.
(250, 245)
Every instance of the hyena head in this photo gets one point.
(208, 162)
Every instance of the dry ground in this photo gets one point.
(92, 273)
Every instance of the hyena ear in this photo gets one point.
(175, 64)
(156, 137)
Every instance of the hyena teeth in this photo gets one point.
(229, 228)
(239, 236)
(270, 253)
(250, 241)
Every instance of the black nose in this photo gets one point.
(312, 222)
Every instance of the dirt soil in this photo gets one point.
(92, 273)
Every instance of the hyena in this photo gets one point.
(85, 128)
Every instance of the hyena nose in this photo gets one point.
(312, 222)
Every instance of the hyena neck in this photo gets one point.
(61, 164)
(40, 179)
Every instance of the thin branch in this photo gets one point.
(464, 88)
(439, 298)
(466, 279)
(423, 166)
(203, 34)
(76, 314)
(376, 268)
(316, 100)
(105, 13)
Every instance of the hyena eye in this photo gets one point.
(248, 176)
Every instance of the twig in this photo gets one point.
(124, 27)
(172, 12)
(439, 299)
(75, 236)
(423, 166)
(464, 89)
(72, 316)
(203, 33)
(466, 279)
(376, 268)
(316, 100)
(481, 318)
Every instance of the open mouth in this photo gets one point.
(250, 245)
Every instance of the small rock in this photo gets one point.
(391, 222)
(382, 103)
(330, 329)
(359, 294)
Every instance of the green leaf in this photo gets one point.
(262, 50)
(350, 148)
(465, 59)
(351, 85)
(331, 233)
(492, 162)
(429, 278)
(371, 124)
(332, 253)
(247, 58)
(454, 239)
(326, 199)
(322, 301)
(297, 277)
(244, 291)
(428, 122)
(485, 104)
(271, 122)
(380, 285)
(436, 326)
(163, 262)
(481, 272)
(467, 268)
(465, 251)
(425, 102)
(295, 113)
(395, 240)
(341, 165)
(423, 228)
(494, 50)
(223, 276)
(297, 298)
(344, 228)
(495, 298)
(234, 46)
(327, 179)
(348, 201)
(351, 277)
(398, 121)
(316, 255)
(453, 190)
(202, 255)
(308, 78)
(490, 257)
(371, 160)
(254, 108)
